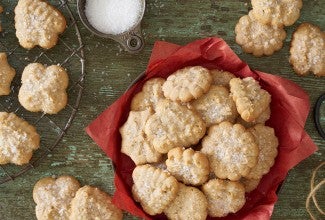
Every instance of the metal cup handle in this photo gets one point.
(132, 41)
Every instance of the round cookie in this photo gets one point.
(224, 197)
(154, 188)
(189, 166)
(277, 12)
(43, 88)
(135, 144)
(38, 23)
(92, 203)
(174, 125)
(231, 149)
(251, 100)
(53, 197)
(257, 38)
(221, 78)
(18, 139)
(268, 144)
(307, 50)
(187, 84)
(216, 106)
(7, 73)
(149, 96)
(250, 184)
(189, 204)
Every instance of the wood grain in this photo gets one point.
(110, 70)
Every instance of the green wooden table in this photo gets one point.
(109, 71)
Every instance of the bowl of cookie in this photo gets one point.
(201, 135)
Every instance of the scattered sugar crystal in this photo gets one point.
(113, 16)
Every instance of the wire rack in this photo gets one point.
(51, 128)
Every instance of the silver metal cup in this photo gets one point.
(132, 39)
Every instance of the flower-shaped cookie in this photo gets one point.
(7, 73)
(135, 144)
(174, 125)
(43, 88)
(231, 149)
(277, 12)
(92, 203)
(224, 197)
(257, 38)
(53, 197)
(38, 23)
(153, 188)
(307, 50)
(18, 139)
(189, 166)
(187, 84)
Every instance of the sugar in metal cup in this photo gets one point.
(119, 20)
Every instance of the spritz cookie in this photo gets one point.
(216, 106)
(7, 73)
(277, 12)
(187, 84)
(268, 144)
(189, 204)
(221, 78)
(53, 197)
(92, 203)
(307, 50)
(257, 38)
(251, 100)
(135, 144)
(154, 188)
(43, 88)
(188, 166)
(264, 116)
(18, 139)
(224, 197)
(250, 184)
(149, 96)
(231, 149)
(38, 23)
(174, 125)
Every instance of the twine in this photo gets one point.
(313, 191)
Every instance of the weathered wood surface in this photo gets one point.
(110, 70)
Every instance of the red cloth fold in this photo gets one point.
(289, 107)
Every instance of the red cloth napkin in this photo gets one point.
(290, 107)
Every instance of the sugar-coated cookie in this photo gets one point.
(174, 125)
(268, 144)
(38, 23)
(188, 166)
(7, 73)
(257, 38)
(251, 100)
(43, 88)
(264, 116)
(149, 96)
(231, 149)
(277, 12)
(307, 50)
(18, 139)
(135, 144)
(189, 204)
(53, 197)
(92, 203)
(187, 84)
(221, 78)
(224, 197)
(250, 184)
(154, 188)
(216, 106)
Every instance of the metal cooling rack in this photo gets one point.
(51, 128)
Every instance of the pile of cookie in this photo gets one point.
(42, 88)
(262, 32)
(64, 198)
(199, 142)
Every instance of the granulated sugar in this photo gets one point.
(113, 16)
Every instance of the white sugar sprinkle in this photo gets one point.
(113, 16)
